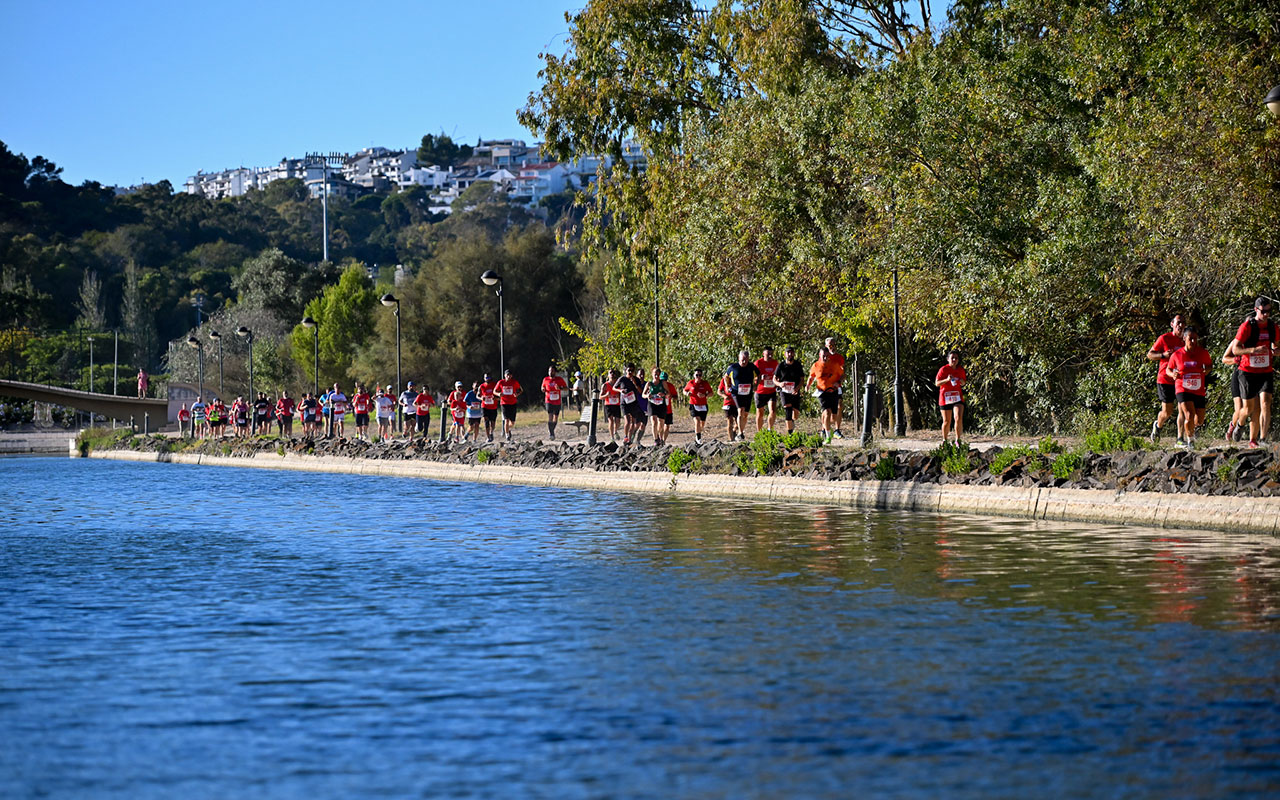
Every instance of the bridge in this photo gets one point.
(155, 413)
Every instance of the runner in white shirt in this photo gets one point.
(386, 405)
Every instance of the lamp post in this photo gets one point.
(899, 423)
(308, 322)
(90, 340)
(390, 300)
(491, 278)
(199, 347)
(217, 337)
(657, 352)
(244, 332)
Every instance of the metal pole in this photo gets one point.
(315, 362)
(442, 418)
(324, 209)
(595, 407)
(200, 353)
(502, 337)
(657, 352)
(899, 422)
(868, 405)
(251, 395)
(221, 392)
(90, 367)
(115, 368)
(399, 388)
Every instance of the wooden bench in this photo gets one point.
(584, 419)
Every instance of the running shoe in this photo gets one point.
(1155, 431)
(836, 434)
(1231, 431)
(1253, 443)
(1191, 443)
(1180, 443)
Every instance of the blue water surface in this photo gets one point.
(178, 631)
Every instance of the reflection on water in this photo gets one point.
(214, 632)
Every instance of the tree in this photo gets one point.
(441, 151)
(93, 315)
(344, 314)
(138, 318)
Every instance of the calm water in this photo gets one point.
(170, 631)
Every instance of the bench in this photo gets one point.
(584, 419)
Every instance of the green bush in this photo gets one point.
(91, 439)
(1005, 458)
(1049, 445)
(679, 459)
(1111, 440)
(766, 451)
(744, 461)
(484, 456)
(886, 469)
(1226, 471)
(1067, 464)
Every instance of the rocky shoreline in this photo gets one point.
(1211, 472)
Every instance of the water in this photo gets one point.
(201, 632)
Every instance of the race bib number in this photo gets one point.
(507, 391)
(628, 397)
(767, 382)
(1191, 384)
(950, 397)
(553, 397)
(744, 388)
(1262, 360)
(611, 400)
(658, 399)
(474, 406)
(789, 387)
(699, 408)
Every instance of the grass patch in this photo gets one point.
(679, 460)
(484, 456)
(1226, 471)
(1112, 440)
(955, 458)
(1049, 445)
(91, 439)
(1067, 464)
(886, 469)
(1005, 458)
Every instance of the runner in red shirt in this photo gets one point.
(611, 398)
(1164, 347)
(553, 389)
(729, 404)
(698, 391)
(422, 410)
(766, 389)
(508, 391)
(361, 405)
(1189, 367)
(184, 421)
(950, 382)
(1256, 343)
(1239, 416)
(458, 410)
(837, 360)
(489, 404)
(284, 413)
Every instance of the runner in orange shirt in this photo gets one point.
(826, 375)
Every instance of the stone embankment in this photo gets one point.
(1213, 489)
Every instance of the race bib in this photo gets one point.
(553, 397)
(767, 382)
(1191, 384)
(474, 406)
(1262, 360)
(699, 408)
(628, 397)
(744, 388)
(611, 400)
(789, 387)
(950, 397)
(507, 391)
(658, 399)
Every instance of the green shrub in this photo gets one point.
(814, 441)
(886, 469)
(1050, 445)
(1226, 471)
(679, 459)
(1067, 464)
(226, 449)
(766, 451)
(744, 461)
(1005, 458)
(484, 456)
(1110, 440)
(99, 438)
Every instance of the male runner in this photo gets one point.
(838, 360)
(790, 377)
(1256, 341)
(509, 391)
(408, 415)
(489, 404)
(629, 396)
(284, 414)
(698, 390)
(553, 388)
(1189, 367)
(385, 405)
(766, 390)
(458, 412)
(1164, 347)
(422, 403)
(743, 377)
(361, 404)
(826, 375)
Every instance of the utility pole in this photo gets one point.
(326, 159)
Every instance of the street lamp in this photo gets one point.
(199, 348)
(1272, 101)
(899, 423)
(491, 278)
(244, 332)
(390, 300)
(308, 322)
(217, 337)
(90, 340)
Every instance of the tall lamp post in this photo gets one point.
(491, 278)
(390, 300)
(244, 332)
(217, 337)
(90, 340)
(899, 422)
(1272, 101)
(308, 322)
(657, 352)
(199, 348)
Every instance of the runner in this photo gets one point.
(838, 360)
(1189, 366)
(217, 415)
(338, 411)
(698, 390)
(489, 404)
(184, 421)
(766, 391)
(790, 376)
(408, 416)
(629, 396)
(475, 411)
(655, 393)
(642, 404)
(826, 375)
(1239, 416)
(458, 412)
(310, 409)
(1256, 341)
(743, 377)
(611, 398)
(284, 414)
(950, 381)
(240, 417)
(143, 382)
(553, 387)
(1164, 347)
(384, 407)
(422, 403)
(729, 405)
(198, 410)
(509, 391)
(361, 405)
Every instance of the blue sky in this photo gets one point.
(124, 91)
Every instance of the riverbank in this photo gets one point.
(1229, 490)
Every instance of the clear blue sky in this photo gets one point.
(123, 91)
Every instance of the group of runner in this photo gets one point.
(1184, 369)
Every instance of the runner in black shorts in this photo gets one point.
(790, 377)
(629, 392)
(742, 380)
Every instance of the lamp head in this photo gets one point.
(490, 278)
(389, 299)
(214, 334)
(243, 331)
(308, 322)
(1272, 101)
(194, 342)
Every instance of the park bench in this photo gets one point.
(584, 419)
